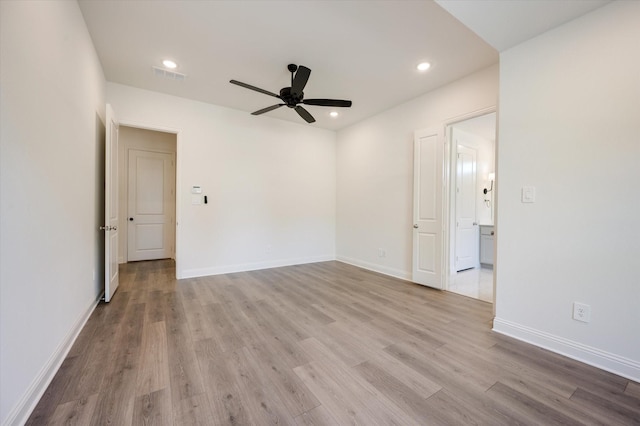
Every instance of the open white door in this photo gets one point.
(427, 207)
(466, 222)
(111, 207)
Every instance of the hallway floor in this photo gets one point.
(476, 283)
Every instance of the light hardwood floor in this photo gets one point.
(315, 344)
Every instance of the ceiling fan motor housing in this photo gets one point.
(290, 99)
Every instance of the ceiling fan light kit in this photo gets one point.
(294, 95)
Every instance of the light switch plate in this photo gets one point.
(196, 199)
(195, 189)
(528, 194)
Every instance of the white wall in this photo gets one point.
(375, 172)
(270, 183)
(51, 149)
(569, 125)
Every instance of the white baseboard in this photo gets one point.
(244, 267)
(607, 361)
(23, 409)
(392, 272)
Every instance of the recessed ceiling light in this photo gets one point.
(423, 66)
(334, 114)
(169, 64)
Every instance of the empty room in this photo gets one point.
(319, 212)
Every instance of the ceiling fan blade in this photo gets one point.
(300, 80)
(327, 102)
(267, 109)
(305, 114)
(257, 89)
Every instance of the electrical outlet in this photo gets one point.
(382, 253)
(581, 312)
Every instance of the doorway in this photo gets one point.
(147, 181)
(471, 206)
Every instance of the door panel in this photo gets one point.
(151, 205)
(150, 236)
(111, 206)
(427, 208)
(466, 250)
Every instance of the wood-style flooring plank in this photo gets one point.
(77, 412)
(606, 409)
(281, 378)
(91, 365)
(263, 406)
(153, 409)
(524, 409)
(633, 390)
(401, 394)
(117, 393)
(51, 399)
(372, 403)
(193, 411)
(318, 416)
(227, 405)
(153, 374)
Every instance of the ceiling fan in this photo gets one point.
(294, 95)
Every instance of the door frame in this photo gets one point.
(448, 202)
(178, 192)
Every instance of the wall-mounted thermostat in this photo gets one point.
(195, 189)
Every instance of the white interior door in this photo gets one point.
(111, 206)
(151, 205)
(466, 230)
(427, 208)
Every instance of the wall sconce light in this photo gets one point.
(492, 177)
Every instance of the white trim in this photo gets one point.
(607, 361)
(243, 267)
(23, 409)
(392, 272)
(153, 127)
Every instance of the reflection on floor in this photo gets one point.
(476, 283)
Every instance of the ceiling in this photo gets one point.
(365, 51)
(506, 23)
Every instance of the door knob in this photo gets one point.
(415, 225)
(131, 219)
